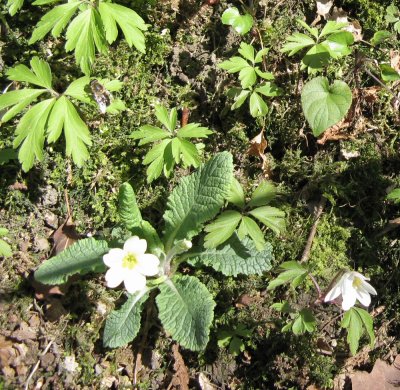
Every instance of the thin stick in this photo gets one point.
(37, 364)
(313, 231)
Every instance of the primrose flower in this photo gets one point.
(352, 286)
(130, 265)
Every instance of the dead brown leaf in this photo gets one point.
(180, 379)
(323, 7)
(395, 60)
(205, 383)
(340, 16)
(257, 147)
(17, 186)
(382, 377)
(64, 236)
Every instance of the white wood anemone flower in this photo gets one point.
(130, 265)
(352, 286)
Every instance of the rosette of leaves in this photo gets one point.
(48, 118)
(243, 220)
(331, 43)
(185, 306)
(94, 27)
(172, 146)
(249, 73)
(5, 249)
(242, 24)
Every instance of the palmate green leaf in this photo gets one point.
(30, 133)
(332, 27)
(247, 51)
(236, 194)
(235, 257)
(20, 99)
(269, 89)
(39, 75)
(14, 6)
(123, 325)
(247, 77)
(84, 35)
(325, 105)
(317, 57)
(77, 89)
(77, 136)
(81, 257)
(234, 64)
(128, 210)
(257, 105)
(221, 229)
(271, 217)
(128, 21)
(149, 133)
(55, 20)
(304, 322)
(312, 30)
(260, 54)
(186, 310)
(189, 154)
(197, 199)
(338, 44)
(293, 272)
(193, 130)
(263, 194)
(248, 227)
(167, 119)
(240, 98)
(297, 42)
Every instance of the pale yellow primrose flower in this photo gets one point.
(130, 265)
(352, 286)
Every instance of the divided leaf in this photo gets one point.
(325, 105)
(242, 24)
(186, 310)
(82, 257)
(293, 273)
(197, 199)
(123, 325)
(235, 257)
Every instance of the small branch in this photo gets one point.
(313, 231)
(391, 225)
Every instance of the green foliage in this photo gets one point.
(92, 29)
(172, 147)
(235, 257)
(123, 325)
(46, 120)
(5, 248)
(249, 72)
(242, 24)
(388, 73)
(14, 6)
(234, 338)
(128, 209)
(81, 257)
(380, 37)
(293, 273)
(197, 199)
(226, 224)
(394, 195)
(331, 43)
(304, 322)
(357, 321)
(185, 309)
(325, 105)
(393, 16)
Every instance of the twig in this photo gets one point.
(37, 364)
(307, 249)
(391, 225)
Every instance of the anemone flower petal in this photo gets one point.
(363, 296)
(333, 293)
(369, 288)
(114, 257)
(349, 300)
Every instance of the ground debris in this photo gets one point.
(180, 379)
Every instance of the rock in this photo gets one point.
(41, 245)
(49, 196)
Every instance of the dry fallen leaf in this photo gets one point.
(205, 383)
(340, 16)
(64, 236)
(257, 147)
(180, 379)
(323, 7)
(382, 377)
(395, 60)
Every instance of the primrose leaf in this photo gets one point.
(236, 194)
(263, 194)
(147, 231)
(123, 325)
(55, 20)
(257, 105)
(235, 257)
(197, 199)
(129, 22)
(297, 42)
(30, 133)
(221, 229)
(84, 35)
(271, 217)
(325, 105)
(81, 257)
(186, 310)
(128, 209)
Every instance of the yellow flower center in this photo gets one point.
(129, 261)
(357, 282)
